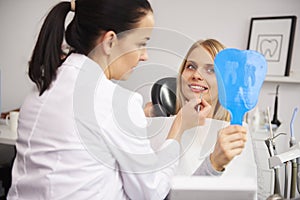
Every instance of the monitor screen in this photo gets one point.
(212, 188)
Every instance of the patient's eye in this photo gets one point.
(191, 67)
(209, 68)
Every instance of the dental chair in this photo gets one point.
(163, 97)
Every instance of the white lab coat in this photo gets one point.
(85, 138)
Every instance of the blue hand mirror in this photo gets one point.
(240, 75)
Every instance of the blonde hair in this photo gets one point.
(213, 47)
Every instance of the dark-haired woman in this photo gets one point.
(80, 135)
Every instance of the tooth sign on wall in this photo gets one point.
(240, 75)
(269, 46)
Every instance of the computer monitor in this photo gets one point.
(212, 188)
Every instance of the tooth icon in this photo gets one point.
(269, 47)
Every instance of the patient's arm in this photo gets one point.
(230, 143)
(206, 169)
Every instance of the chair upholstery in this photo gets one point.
(163, 97)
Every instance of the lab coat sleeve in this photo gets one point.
(154, 184)
(146, 174)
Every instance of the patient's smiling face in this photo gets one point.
(198, 76)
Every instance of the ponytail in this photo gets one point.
(47, 53)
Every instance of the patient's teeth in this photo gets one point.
(197, 87)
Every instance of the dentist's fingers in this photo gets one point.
(205, 107)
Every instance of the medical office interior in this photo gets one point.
(182, 22)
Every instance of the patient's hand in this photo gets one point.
(230, 143)
(148, 110)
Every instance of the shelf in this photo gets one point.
(293, 78)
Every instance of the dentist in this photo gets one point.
(80, 135)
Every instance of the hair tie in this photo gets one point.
(72, 5)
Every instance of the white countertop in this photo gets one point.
(6, 135)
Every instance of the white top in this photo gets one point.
(85, 138)
(197, 144)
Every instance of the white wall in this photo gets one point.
(19, 22)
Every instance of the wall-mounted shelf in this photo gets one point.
(293, 78)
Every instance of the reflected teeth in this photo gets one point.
(197, 87)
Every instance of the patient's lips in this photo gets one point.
(197, 88)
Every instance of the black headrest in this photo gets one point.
(163, 96)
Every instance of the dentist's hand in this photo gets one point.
(149, 110)
(230, 143)
(188, 117)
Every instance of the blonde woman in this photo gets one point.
(211, 148)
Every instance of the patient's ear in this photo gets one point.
(108, 41)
